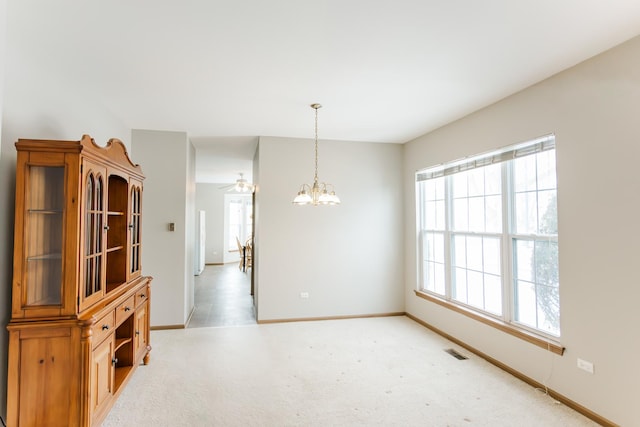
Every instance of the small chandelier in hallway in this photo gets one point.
(320, 193)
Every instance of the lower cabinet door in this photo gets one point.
(46, 393)
(142, 330)
(101, 376)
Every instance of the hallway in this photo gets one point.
(222, 297)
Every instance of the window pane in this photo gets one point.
(439, 188)
(428, 247)
(525, 174)
(459, 184)
(491, 248)
(475, 181)
(433, 189)
(477, 200)
(460, 285)
(526, 213)
(440, 223)
(460, 215)
(430, 215)
(493, 294)
(475, 289)
(474, 253)
(525, 303)
(535, 194)
(429, 189)
(546, 262)
(547, 212)
(523, 259)
(429, 275)
(460, 251)
(439, 285)
(536, 275)
(434, 277)
(472, 285)
(437, 247)
(549, 309)
(493, 179)
(433, 213)
(476, 214)
(433, 252)
(493, 215)
(546, 170)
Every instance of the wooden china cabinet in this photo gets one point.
(80, 304)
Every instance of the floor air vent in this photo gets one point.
(456, 354)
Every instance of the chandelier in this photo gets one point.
(242, 185)
(320, 193)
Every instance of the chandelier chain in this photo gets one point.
(316, 143)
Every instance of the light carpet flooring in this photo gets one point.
(387, 371)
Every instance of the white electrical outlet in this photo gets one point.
(585, 366)
(304, 295)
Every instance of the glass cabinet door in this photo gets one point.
(135, 200)
(43, 236)
(93, 234)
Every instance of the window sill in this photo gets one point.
(495, 323)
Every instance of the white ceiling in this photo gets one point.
(385, 71)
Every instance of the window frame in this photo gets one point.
(506, 320)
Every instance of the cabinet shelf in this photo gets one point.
(115, 213)
(115, 248)
(122, 341)
(121, 373)
(45, 211)
(42, 257)
(50, 300)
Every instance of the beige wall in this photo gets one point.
(348, 258)
(168, 197)
(593, 110)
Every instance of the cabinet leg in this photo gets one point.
(145, 359)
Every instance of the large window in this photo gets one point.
(239, 219)
(489, 237)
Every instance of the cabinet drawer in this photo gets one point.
(142, 295)
(103, 327)
(124, 310)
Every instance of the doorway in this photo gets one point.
(222, 297)
(222, 290)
